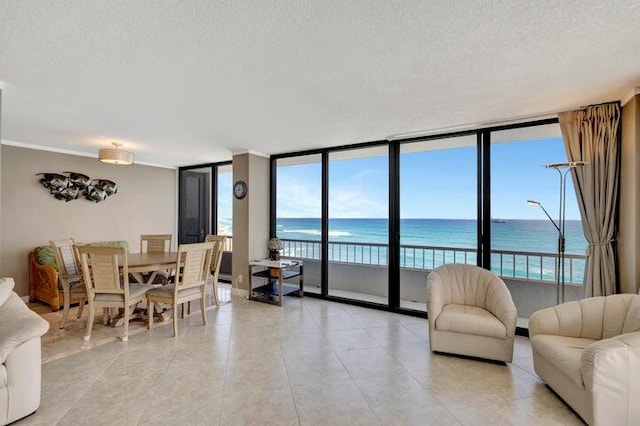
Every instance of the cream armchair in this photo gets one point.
(588, 352)
(470, 312)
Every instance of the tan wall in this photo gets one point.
(629, 235)
(0, 177)
(240, 222)
(30, 216)
(250, 215)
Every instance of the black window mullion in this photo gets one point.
(324, 247)
(394, 225)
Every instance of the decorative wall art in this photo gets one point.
(74, 185)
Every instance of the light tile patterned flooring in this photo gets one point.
(311, 362)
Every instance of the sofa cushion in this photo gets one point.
(6, 288)
(18, 324)
(563, 352)
(470, 320)
(45, 256)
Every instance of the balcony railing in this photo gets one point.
(506, 263)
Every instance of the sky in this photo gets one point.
(434, 184)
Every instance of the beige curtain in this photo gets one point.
(592, 135)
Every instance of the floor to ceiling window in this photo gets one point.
(224, 202)
(386, 213)
(299, 213)
(524, 241)
(438, 211)
(359, 224)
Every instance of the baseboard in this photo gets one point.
(240, 292)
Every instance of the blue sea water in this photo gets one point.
(365, 241)
(507, 234)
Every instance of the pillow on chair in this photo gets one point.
(45, 256)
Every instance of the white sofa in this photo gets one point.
(588, 352)
(20, 363)
(470, 312)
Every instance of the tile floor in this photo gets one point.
(311, 362)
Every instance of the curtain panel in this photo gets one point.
(592, 135)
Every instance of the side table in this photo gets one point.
(276, 271)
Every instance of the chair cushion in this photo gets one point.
(135, 290)
(563, 352)
(45, 256)
(78, 288)
(167, 291)
(470, 320)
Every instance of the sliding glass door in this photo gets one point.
(359, 224)
(524, 241)
(438, 210)
(205, 202)
(299, 213)
(195, 205)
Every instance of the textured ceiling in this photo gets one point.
(188, 82)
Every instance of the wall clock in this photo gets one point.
(240, 189)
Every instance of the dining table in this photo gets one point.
(140, 263)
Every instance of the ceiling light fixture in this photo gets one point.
(115, 155)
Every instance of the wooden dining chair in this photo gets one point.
(190, 284)
(156, 243)
(69, 275)
(216, 260)
(106, 275)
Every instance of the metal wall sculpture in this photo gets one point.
(74, 185)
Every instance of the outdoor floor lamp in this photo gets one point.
(563, 170)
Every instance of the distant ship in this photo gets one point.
(498, 221)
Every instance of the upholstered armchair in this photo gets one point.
(470, 313)
(20, 355)
(588, 352)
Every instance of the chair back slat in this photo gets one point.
(219, 242)
(105, 269)
(196, 263)
(66, 258)
(155, 243)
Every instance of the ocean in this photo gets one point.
(365, 241)
(506, 234)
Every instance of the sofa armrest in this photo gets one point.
(500, 303)
(18, 324)
(435, 296)
(611, 372)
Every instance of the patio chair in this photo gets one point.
(106, 274)
(195, 260)
(70, 276)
